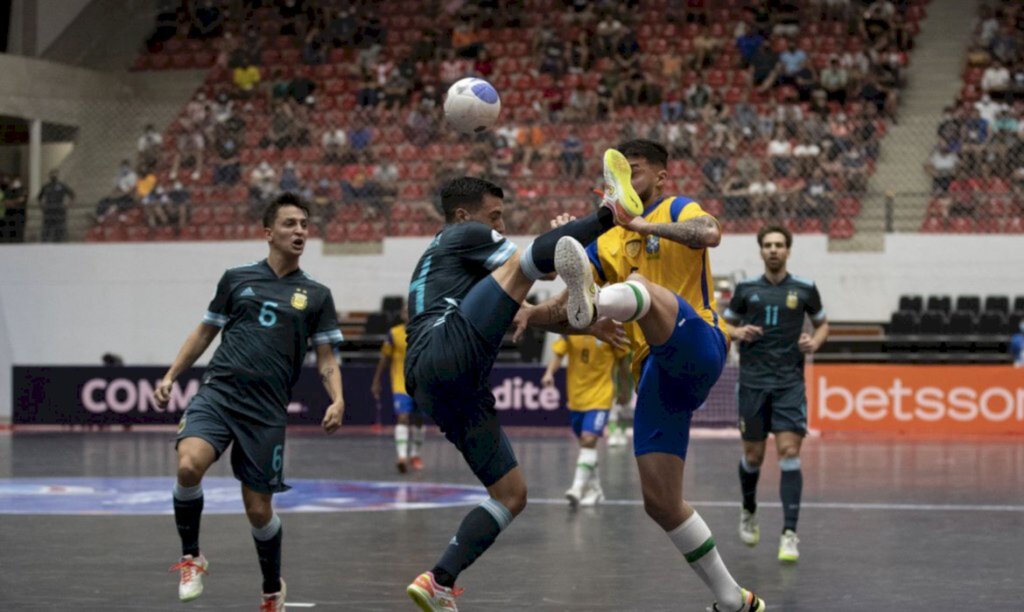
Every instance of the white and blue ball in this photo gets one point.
(472, 105)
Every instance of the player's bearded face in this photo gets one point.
(290, 231)
(774, 252)
(646, 179)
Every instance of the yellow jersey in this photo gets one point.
(589, 373)
(395, 347)
(684, 271)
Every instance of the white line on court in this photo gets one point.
(831, 505)
(289, 604)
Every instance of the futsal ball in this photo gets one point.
(472, 105)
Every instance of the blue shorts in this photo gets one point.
(674, 381)
(448, 376)
(589, 421)
(404, 404)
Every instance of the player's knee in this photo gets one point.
(640, 278)
(588, 441)
(190, 470)
(662, 511)
(258, 512)
(403, 418)
(515, 501)
(754, 459)
(789, 452)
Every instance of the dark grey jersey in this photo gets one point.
(774, 360)
(459, 257)
(268, 325)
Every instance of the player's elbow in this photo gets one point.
(713, 236)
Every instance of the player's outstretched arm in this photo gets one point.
(195, 345)
(330, 376)
(696, 232)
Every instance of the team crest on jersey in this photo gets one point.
(633, 248)
(792, 301)
(299, 299)
(181, 424)
(653, 246)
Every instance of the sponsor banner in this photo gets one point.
(71, 395)
(919, 399)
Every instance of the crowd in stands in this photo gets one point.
(977, 165)
(771, 110)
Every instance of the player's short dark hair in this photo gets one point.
(466, 192)
(774, 229)
(653, 152)
(285, 199)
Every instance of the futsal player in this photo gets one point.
(766, 315)
(268, 313)
(657, 277)
(465, 291)
(409, 418)
(590, 389)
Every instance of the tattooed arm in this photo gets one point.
(550, 316)
(330, 376)
(697, 232)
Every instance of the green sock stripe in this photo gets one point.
(639, 301)
(703, 549)
(589, 466)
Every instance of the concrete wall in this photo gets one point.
(53, 17)
(68, 304)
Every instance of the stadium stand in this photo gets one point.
(768, 116)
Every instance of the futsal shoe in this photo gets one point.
(573, 266)
(751, 603)
(574, 495)
(619, 194)
(788, 551)
(274, 602)
(750, 532)
(593, 496)
(431, 596)
(192, 570)
(416, 463)
(402, 465)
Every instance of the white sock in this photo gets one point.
(693, 539)
(586, 465)
(419, 433)
(402, 440)
(624, 302)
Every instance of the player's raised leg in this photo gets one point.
(195, 456)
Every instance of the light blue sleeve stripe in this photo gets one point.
(217, 320)
(330, 337)
(731, 316)
(818, 318)
(501, 255)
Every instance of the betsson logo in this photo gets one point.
(123, 395)
(904, 403)
(518, 394)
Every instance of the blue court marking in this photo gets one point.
(141, 496)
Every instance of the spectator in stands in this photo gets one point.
(715, 166)
(975, 137)
(834, 80)
(1005, 45)
(608, 31)
(334, 143)
(736, 197)
(697, 95)
(789, 197)
(342, 27)
(54, 198)
(323, 204)
(579, 56)
(705, 46)
(166, 25)
(817, 200)
(282, 128)
(452, 69)
(179, 208)
(780, 151)
(229, 164)
(762, 192)
(246, 78)
(749, 44)
(883, 98)
(314, 48)
(553, 59)
(363, 193)
(581, 105)
(290, 180)
(791, 61)
(262, 187)
(156, 208)
(190, 144)
(942, 166)
(368, 94)
(572, 155)
(385, 176)
(123, 196)
(988, 108)
(145, 185)
(13, 199)
(360, 135)
(762, 69)
(149, 145)
(207, 20)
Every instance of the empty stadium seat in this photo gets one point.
(933, 322)
(1018, 303)
(940, 303)
(914, 303)
(970, 303)
(961, 322)
(991, 323)
(997, 303)
(903, 322)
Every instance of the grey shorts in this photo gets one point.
(257, 450)
(764, 411)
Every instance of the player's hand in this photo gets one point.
(375, 390)
(748, 333)
(520, 322)
(609, 331)
(807, 344)
(162, 393)
(332, 418)
(548, 380)
(561, 220)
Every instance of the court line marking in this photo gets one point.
(289, 604)
(827, 505)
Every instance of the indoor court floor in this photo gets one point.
(886, 525)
